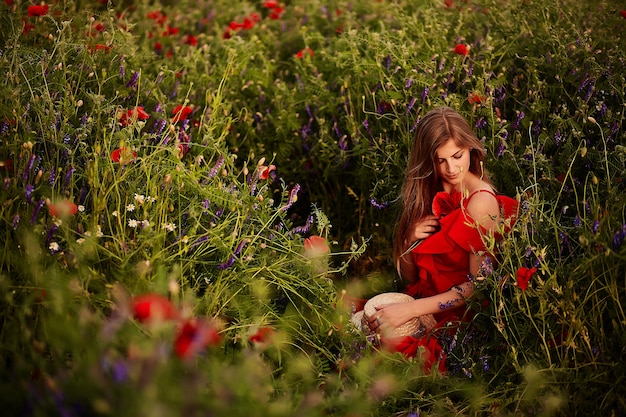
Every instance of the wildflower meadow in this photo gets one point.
(193, 191)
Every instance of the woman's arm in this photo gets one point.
(394, 315)
(419, 230)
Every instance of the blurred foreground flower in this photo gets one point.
(315, 246)
(194, 336)
(262, 336)
(153, 308)
(62, 208)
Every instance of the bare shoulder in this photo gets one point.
(483, 207)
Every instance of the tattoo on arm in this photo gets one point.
(448, 304)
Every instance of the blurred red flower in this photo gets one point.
(270, 4)
(181, 112)
(475, 98)
(305, 51)
(276, 13)
(99, 47)
(152, 307)
(191, 40)
(461, 49)
(62, 208)
(523, 276)
(315, 246)
(445, 203)
(263, 335)
(623, 13)
(38, 10)
(194, 336)
(158, 16)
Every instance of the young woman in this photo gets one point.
(448, 206)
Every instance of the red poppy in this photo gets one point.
(276, 13)
(99, 47)
(170, 31)
(234, 25)
(623, 13)
(315, 246)
(138, 113)
(38, 10)
(448, 4)
(263, 335)
(475, 98)
(461, 49)
(256, 18)
(191, 40)
(270, 4)
(9, 2)
(305, 51)
(523, 276)
(123, 155)
(445, 203)
(248, 23)
(181, 112)
(158, 16)
(62, 208)
(264, 172)
(227, 34)
(194, 336)
(152, 307)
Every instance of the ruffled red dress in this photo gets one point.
(443, 262)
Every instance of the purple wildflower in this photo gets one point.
(517, 123)
(387, 61)
(305, 228)
(485, 362)
(233, 257)
(122, 69)
(595, 227)
(132, 83)
(558, 138)
(366, 125)
(293, 197)
(29, 166)
(377, 205)
(38, 207)
(216, 167)
(577, 221)
(481, 123)
(424, 94)
(16, 221)
(410, 106)
(500, 150)
(409, 83)
(29, 192)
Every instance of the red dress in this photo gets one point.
(443, 262)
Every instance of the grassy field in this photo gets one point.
(192, 189)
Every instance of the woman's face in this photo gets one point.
(452, 164)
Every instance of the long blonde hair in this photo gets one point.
(421, 180)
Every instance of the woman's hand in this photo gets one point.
(391, 316)
(423, 228)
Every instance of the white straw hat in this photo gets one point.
(416, 327)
